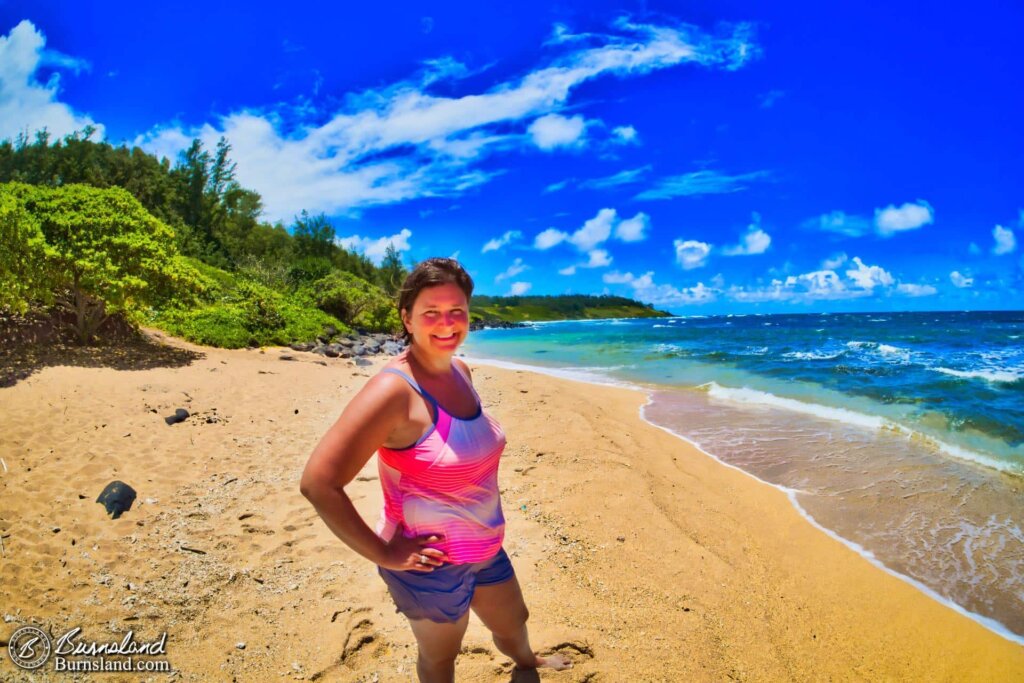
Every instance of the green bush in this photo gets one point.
(23, 258)
(353, 300)
(261, 308)
(251, 315)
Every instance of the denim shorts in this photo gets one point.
(443, 595)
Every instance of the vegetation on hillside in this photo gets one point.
(95, 231)
(563, 307)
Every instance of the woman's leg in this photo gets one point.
(439, 644)
(501, 608)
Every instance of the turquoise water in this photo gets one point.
(901, 434)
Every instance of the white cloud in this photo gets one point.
(549, 238)
(513, 270)
(519, 288)
(869, 277)
(834, 261)
(816, 285)
(374, 249)
(691, 254)
(552, 131)
(633, 229)
(1006, 241)
(402, 141)
(887, 222)
(700, 182)
(26, 105)
(560, 185)
(973, 249)
(598, 258)
(961, 281)
(594, 231)
(617, 278)
(861, 281)
(626, 177)
(646, 290)
(841, 223)
(755, 241)
(625, 134)
(911, 289)
(499, 242)
(909, 216)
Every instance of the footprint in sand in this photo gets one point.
(361, 637)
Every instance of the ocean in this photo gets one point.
(900, 434)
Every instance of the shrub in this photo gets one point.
(354, 301)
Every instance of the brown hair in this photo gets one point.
(430, 273)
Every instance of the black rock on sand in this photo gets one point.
(117, 497)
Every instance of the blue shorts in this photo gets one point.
(443, 595)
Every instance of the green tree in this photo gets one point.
(354, 301)
(108, 253)
(23, 259)
(314, 236)
(392, 270)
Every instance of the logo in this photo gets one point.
(29, 647)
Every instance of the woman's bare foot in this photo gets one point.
(557, 662)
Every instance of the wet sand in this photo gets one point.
(641, 558)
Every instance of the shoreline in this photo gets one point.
(990, 624)
(640, 557)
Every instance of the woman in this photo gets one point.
(438, 542)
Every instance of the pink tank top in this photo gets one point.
(446, 482)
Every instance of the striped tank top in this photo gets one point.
(447, 482)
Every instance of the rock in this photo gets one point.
(240, 646)
(494, 324)
(358, 350)
(180, 415)
(117, 497)
(345, 341)
(346, 353)
(362, 362)
(286, 357)
(331, 331)
(303, 346)
(371, 345)
(391, 348)
(333, 350)
(320, 349)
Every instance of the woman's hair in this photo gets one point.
(430, 273)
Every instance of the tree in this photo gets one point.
(108, 254)
(23, 259)
(314, 236)
(392, 271)
(354, 301)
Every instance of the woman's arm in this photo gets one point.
(364, 425)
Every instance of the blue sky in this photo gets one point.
(707, 157)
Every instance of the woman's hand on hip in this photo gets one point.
(415, 553)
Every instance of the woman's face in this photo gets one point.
(439, 319)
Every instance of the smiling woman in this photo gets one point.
(438, 543)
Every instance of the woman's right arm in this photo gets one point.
(362, 428)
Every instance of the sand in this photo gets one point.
(640, 557)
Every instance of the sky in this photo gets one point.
(705, 157)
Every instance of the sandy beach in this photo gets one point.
(640, 557)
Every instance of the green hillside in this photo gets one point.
(565, 307)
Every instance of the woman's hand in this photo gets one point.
(415, 553)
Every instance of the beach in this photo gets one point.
(640, 557)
